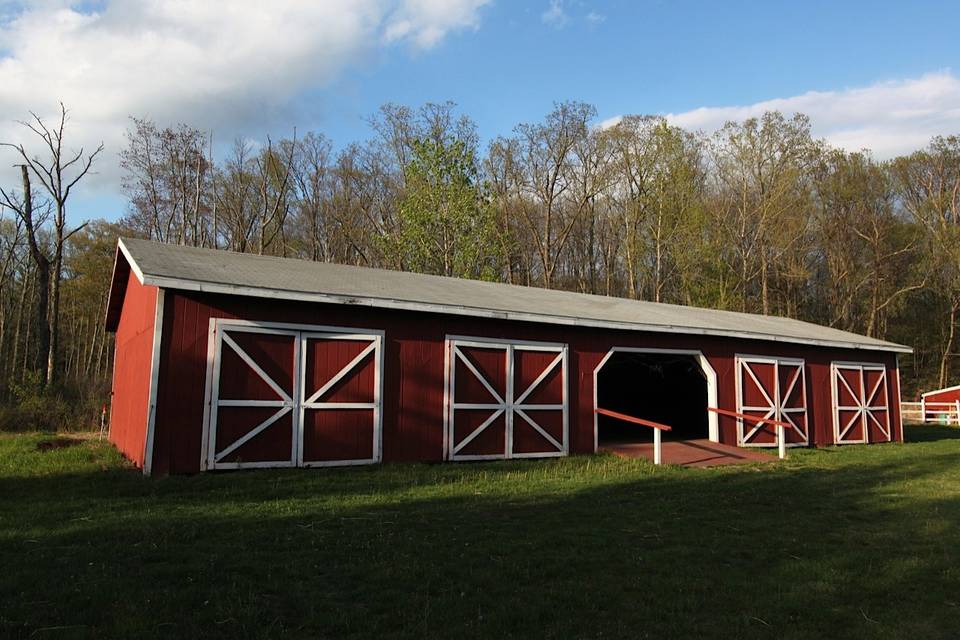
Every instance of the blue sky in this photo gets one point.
(870, 74)
(653, 57)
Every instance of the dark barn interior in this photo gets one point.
(666, 388)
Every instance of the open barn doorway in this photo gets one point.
(674, 388)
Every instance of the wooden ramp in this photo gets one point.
(690, 453)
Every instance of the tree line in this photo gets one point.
(759, 216)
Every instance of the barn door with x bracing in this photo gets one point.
(860, 410)
(506, 399)
(774, 389)
(252, 417)
(281, 396)
(340, 410)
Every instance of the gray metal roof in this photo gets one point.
(176, 267)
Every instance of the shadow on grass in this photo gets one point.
(583, 547)
(931, 433)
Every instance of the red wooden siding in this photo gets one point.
(414, 375)
(131, 370)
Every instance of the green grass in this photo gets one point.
(859, 542)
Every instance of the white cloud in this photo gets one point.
(426, 22)
(225, 65)
(555, 15)
(595, 18)
(890, 118)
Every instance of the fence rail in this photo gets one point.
(931, 412)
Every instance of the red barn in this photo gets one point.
(227, 360)
(948, 394)
(941, 405)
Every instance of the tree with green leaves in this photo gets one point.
(760, 198)
(659, 195)
(446, 226)
(929, 187)
(867, 252)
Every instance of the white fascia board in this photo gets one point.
(133, 263)
(945, 389)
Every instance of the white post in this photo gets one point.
(958, 412)
(923, 410)
(656, 447)
(781, 442)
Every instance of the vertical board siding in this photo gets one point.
(130, 398)
(413, 402)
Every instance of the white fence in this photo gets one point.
(935, 412)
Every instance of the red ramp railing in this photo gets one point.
(779, 424)
(657, 427)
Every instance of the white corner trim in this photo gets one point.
(208, 391)
(897, 400)
(154, 382)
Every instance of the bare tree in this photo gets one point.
(312, 177)
(23, 206)
(167, 179)
(11, 237)
(273, 188)
(58, 172)
(547, 150)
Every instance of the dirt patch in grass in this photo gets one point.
(57, 443)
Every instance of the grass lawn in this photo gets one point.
(859, 542)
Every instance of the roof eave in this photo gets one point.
(283, 294)
(944, 390)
